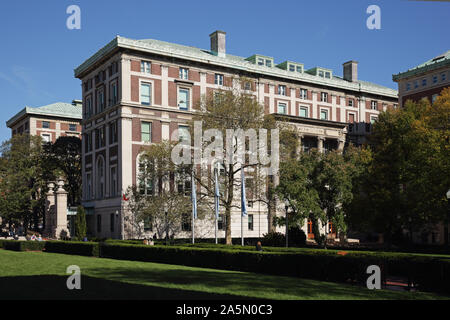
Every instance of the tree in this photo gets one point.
(410, 172)
(162, 198)
(22, 181)
(231, 109)
(80, 223)
(64, 157)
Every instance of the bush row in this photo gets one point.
(22, 245)
(425, 272)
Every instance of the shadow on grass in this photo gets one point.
(53, 287)
(251, 285)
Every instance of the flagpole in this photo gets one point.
(194, 204)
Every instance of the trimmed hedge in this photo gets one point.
(73, 247)
(16, 245)
(427, 273)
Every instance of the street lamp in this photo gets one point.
(286, 207)
(447, 219)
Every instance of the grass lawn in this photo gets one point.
(40, 275)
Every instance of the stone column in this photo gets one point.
(299, 146)
(341, 143)
(49, 209)
(320, 140)
(60, 228)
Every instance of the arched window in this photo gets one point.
(100, 177)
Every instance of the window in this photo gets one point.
(260, 61)
(374, 105)
(89, 107)
(219, 79)
(291, 67)
(148, 224)
(183, 134)
(351, 118)
(146, 97)
(145, 184)
(100, 101)
(321, 73)
(45, 124)
(350, 102)
(146, 67)
(323, 114)
(416, 84)
(183, 98)
(100, 137)
(146, 131)
(303, 112)
(424, 82)
(113, 132)
(100, 178)
(408, 86)
(99, 223)
(282, 90)
(111, 222)
(113, 181)
(282, 108)
(88, 186)
(89, 142)
(327, 75)
(268, 63)
(186, 222)
(221, 222)
(443, 77)
(247, 85)
(435, 79)
(113, 94)
(184, 73)
(184, 183)
(324, 97)
(72, 127)
(250, 222)
(373, 119)
(299, 69)
(46, 138)
(304, 94)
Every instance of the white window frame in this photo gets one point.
(45, 136)
(180, 129)
(351, 102)
(282, 90)
(285, 105)
(373, 105)
(307, 111)
(324, 97)
(305, 95)
(189, 102)
(218, 79)
(146, 67)
(150, 133)
(141, 83)
(184, 73)
(326, 112)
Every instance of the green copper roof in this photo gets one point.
(432, 64)
(58, 109)
(231, 61)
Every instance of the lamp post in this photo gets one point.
(286, 207)
(447, 219)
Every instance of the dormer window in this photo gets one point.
(268, 63)
(260, 61)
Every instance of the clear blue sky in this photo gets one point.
(38, 53)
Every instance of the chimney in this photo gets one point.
(351, 71)
(218, 43)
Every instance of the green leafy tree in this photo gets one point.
(80, 223)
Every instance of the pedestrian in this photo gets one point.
(259, 246)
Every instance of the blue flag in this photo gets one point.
(194, 196)
(243, 197)
(216, 193)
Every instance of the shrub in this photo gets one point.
(274, 239)
(73, 247)
(22, 245)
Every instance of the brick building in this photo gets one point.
(138, 92)
(425, 80)
(50, 121)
